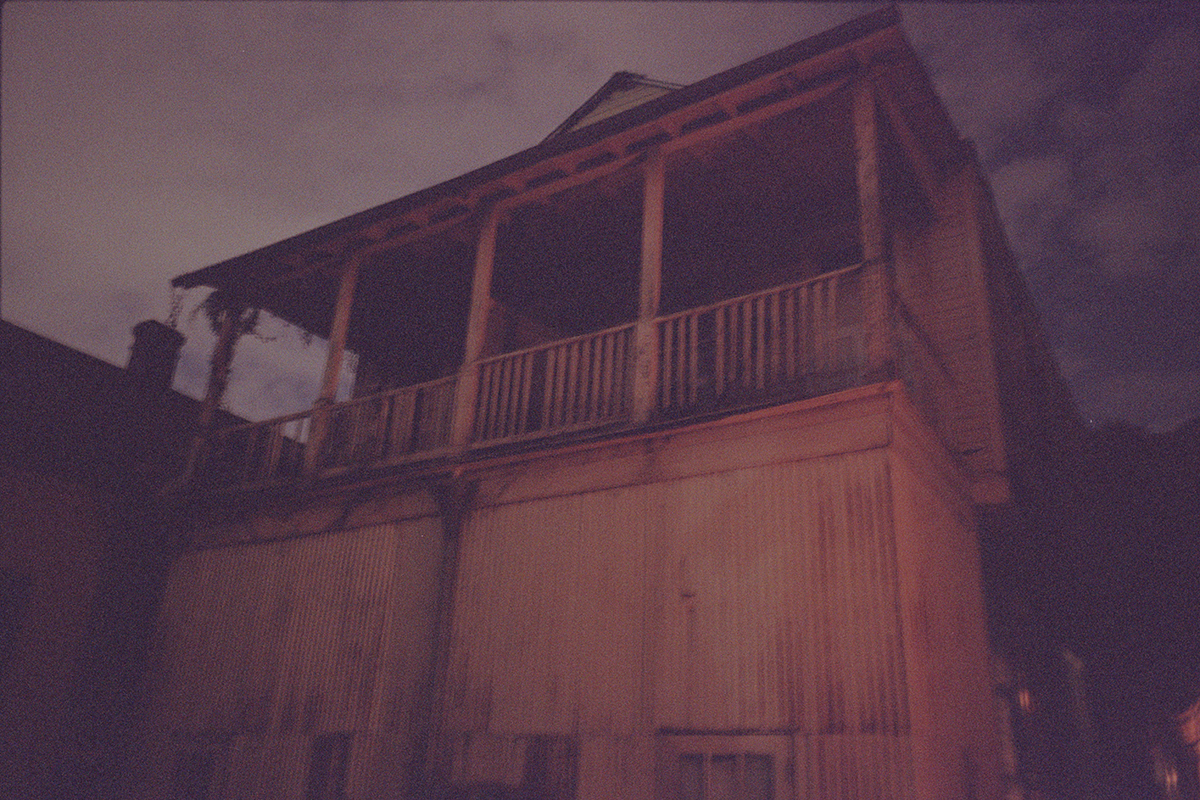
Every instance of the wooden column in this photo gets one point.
(338, 330)
(876, 275)
(218, 379)
(645, 378)
(477, 322)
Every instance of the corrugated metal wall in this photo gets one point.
(955, 744)
(262, 647)
(757, 599)
(765, 599)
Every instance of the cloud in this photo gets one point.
(1160, 400)
(1031, 194)
(145, 140)
(984, 68)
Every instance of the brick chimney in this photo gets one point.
(154, 355)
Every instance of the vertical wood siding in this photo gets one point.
(940, 280)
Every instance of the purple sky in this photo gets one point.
(142, 140)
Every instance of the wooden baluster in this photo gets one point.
(564, 385)
(719, 350)
(832, 325)
(275, 446)
(803, 325)
(487, 401)
(663, 379)
(504, 399)
(508, 383)
(591, 347)
(820, 326)
(550, 392)
(680, 353)
(676, 376)
(789, 334)
(585, 388)
(604, 394)
(747, 341)
(572, 385)
(773, 342)
(624, 370)
(693, 321)
(610, 348)
(401, 434)
(526, 391)
(761, 356)
(581, 367)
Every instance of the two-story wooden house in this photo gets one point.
(662, 474)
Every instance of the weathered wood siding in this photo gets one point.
(263, 647)
(940, 273)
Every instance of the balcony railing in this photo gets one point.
(801, 339)
(567, 385)
(793, 341)
(388, 427)
(255, 453)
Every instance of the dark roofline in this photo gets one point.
(843, 34)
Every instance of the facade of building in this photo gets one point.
(86, 447)
(662, 476)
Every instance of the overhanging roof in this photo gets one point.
(326, 245)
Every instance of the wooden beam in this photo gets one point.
(876, 275)
(338, 330)
(929, 178)
(645, 378)
(218, 379)
(477, 321)
(866, 157)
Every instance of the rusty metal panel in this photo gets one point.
(281, 641)
(858, 767)
(778, 601)
(550, 616)
(759, 598)
(955, 742)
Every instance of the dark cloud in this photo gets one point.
(143, 140)
(1086, 118)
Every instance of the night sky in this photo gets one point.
(143, 140)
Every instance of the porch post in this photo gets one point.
(645, 337)
(338, 329)
(876, 274)
(218, 379)
(477, 321)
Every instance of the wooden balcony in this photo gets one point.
(789, 342)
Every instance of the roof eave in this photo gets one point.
(224, 273)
